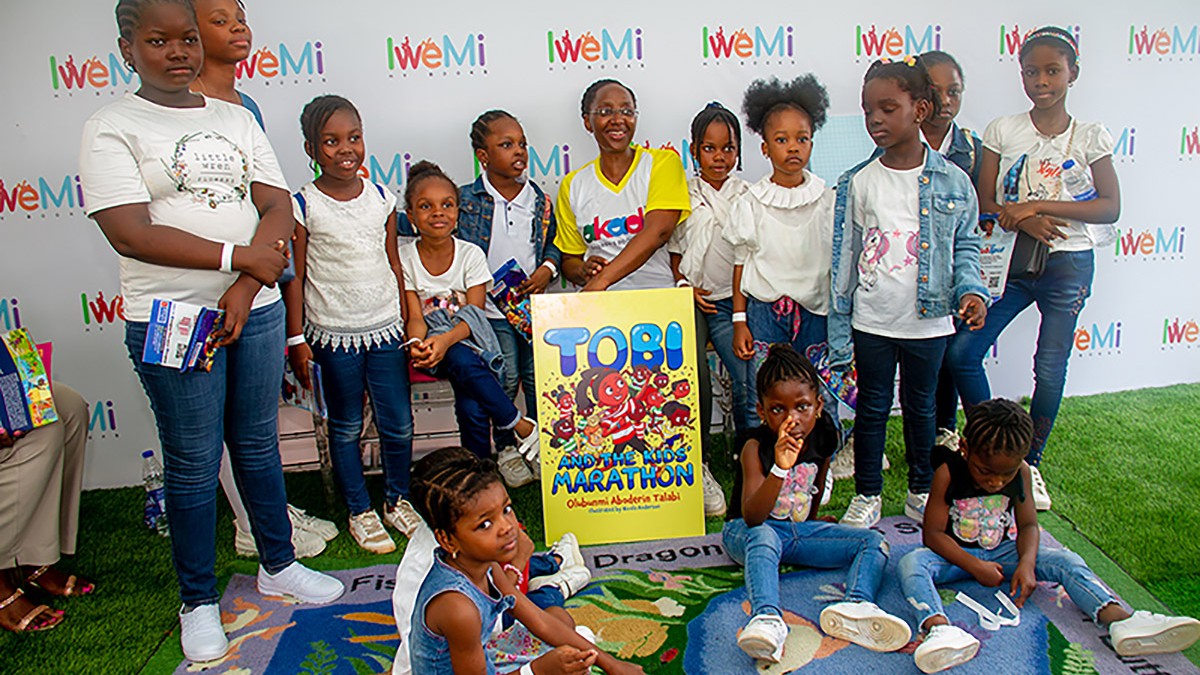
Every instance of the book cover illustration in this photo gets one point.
(182, 335)
(294, 394)
(26, 401)
(515, 307)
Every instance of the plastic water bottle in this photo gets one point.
(1077, 181)
(155, 510)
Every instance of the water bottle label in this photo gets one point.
(155, 507)
(1084, 196)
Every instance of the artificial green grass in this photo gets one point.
(1122, 470)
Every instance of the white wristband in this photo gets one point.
(227, 257)
(553, 268)
(526, 670)
(681, 283)
(739, 317)
(296, 340)
(779, 472)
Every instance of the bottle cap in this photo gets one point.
(147, 453)
(1068, 164)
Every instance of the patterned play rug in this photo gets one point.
(675, 607)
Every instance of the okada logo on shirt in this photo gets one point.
(614, 227)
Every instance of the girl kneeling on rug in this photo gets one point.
(461, 603)
(980, 523)
(783, 474)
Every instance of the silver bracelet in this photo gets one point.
(227, 257)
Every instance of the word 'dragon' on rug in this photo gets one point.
(676, 607)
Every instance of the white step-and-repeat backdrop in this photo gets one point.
(421, 72)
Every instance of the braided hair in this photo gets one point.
(998, 426)
(316, 114)
(715, 112)
(420, 171)
(765, 97)
(445, 481)
(911, 75)
(782, 364)
(129, 13)
(483, 126)
(593, 90)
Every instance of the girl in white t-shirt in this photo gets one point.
(189, 193)
(445, 287)
(345, 301)
(1039, 206)
(780, 230)
(905, 263)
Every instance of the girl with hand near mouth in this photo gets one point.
(617, 212)
(345, 300)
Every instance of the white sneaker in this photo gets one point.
(947, 438)
(763, 637)
(306, 544)
(368, 531)
(714, 496)
(403, 517)
(946, 646)
(914, 505)
(569, 580)
(513, 468)
(842, 465)
(825, 496)
(567, 548)
(1041, 498)
(300, 583)
(324, 529)
(201, 633)
(864, 624)
(863, 511)
(1146, 633)
(528, 446)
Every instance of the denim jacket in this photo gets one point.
(475, 209)
(966, 151)
(947, 262)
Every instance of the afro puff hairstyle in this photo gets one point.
(765, 97)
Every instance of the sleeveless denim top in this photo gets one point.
(432, 651)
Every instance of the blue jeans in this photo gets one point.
(478, 399)
(741, 373)
(769, 328)
(812, 543)
(921, 570)
(236, 403)
(517, 350)
(1060, 294)
(543, 565)
(919, 360)
(382, 371)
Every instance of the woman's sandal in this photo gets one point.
(26, 624)
(73, 587)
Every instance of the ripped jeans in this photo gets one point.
(812, 543)
(1060, 294)
(921, 570)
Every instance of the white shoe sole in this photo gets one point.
(205, 657)
(911, 512)
(314, 600)
(947, 657)
(1168, 641)
(759, 649)
(877, 633)
(715, 513)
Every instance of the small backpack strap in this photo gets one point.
(299, 195)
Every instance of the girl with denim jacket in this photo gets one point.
(1046, 137)
(510, 218)
(905, 263)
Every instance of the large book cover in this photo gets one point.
(26, 401)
